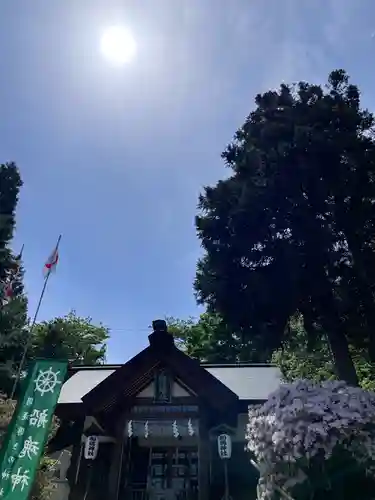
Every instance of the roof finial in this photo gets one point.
(160, 337)
(159, 325)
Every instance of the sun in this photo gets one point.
(118, 45)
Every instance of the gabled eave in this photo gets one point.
(128, 380)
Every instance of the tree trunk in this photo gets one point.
(362, 275)
(344, 365)
(369, 307)
(336, 335)
(371, 347)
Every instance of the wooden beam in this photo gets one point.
(203, 459)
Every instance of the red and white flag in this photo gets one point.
(13, 277)
(51, 263)
(7, 292)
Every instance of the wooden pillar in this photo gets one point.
(117, 460)
(72, 474)
(115, 468)
(203, 458)
(73, 471)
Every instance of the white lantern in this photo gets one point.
(91, 447)
(224, 445)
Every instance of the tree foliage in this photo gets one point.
(13, 316)
(292, 229)
(298, 360)
(10, 184)
(210, 340)
(70, 337)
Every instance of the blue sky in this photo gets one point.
(114, 158)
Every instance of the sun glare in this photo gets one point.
(118, 45)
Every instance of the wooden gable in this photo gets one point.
(138, 373)
(177, 391)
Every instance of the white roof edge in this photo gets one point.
(250, 386)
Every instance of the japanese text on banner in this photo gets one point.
(21, 452)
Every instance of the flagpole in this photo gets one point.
(21, 252)
(27, 345)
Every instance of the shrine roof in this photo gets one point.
(250, 382)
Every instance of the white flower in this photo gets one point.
(306, 419)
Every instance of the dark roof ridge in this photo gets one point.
(75, 368)
(204, 365)
(238, 365)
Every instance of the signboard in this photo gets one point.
(91, 447)
(165, 409)
(224, 444)
(28, 431)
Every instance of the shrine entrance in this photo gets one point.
(158, 472)
(173, 474)
(160, 460)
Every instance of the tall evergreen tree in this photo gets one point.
(10, 184)
(292, 229)
(13, 316)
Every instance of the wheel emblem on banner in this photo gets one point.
(46, 381)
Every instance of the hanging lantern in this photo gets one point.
(190, 428)
(224, 444)
(147, 431)
(130, 428)
(91, 447)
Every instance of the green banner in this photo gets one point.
(23, 446)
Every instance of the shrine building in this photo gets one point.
(156, 421)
